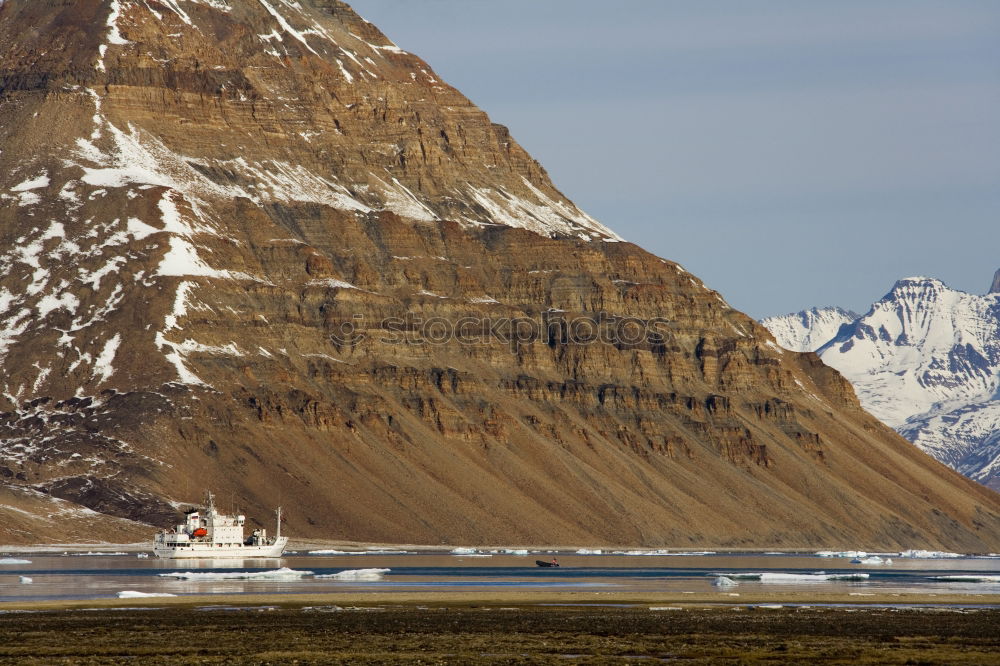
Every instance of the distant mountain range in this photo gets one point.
(925, 359)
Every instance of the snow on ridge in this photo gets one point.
(285, 25)
(808, 330)
(546, 216)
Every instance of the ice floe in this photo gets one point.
(91, 553)
(133, 594)
(791, 578)
(930, 554)
(356, 574)
(25, 580)
(359, 552)
(842, 553)
(590, 551)
(284, 573)
(13, 560)
(463, 551)
(661, 551)
(872, 559)
(968, 578)
(724, 581)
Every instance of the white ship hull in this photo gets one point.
(220, 551)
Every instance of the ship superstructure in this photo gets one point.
(210, 534)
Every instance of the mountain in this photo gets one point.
(925, 359)
(809, 329)
(258, 248)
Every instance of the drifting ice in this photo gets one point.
(13, 560)
(969, 579)
(356, 574)
(843, 553)
(791, 578)
(930, 554)
(284, 573)
(874, 559)
(358, 552)
(132, 594)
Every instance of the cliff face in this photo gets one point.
(255, 247)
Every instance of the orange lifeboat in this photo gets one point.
(200, 532)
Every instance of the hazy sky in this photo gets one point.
(790, 153)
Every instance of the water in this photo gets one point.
(69, 576)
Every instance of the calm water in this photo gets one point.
(76, 576)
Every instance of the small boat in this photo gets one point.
(210, 534)
(543, 563)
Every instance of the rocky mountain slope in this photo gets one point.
(256, 247)
(926, 360)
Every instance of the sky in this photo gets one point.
(791, 153)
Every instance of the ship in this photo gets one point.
(210, 534)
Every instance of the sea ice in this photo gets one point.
(356, 574)
(132, 594)
(13, 560)
(792, 578)
(26, 580)
(284, 573)
(724, 581)
(463, 551)
(589, 551)
(842, 553)
(874, 559)
(930, 554)
(969, 578)
(92, 554)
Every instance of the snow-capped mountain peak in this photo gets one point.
(810, 329)
(923, 343)
(924, 359)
